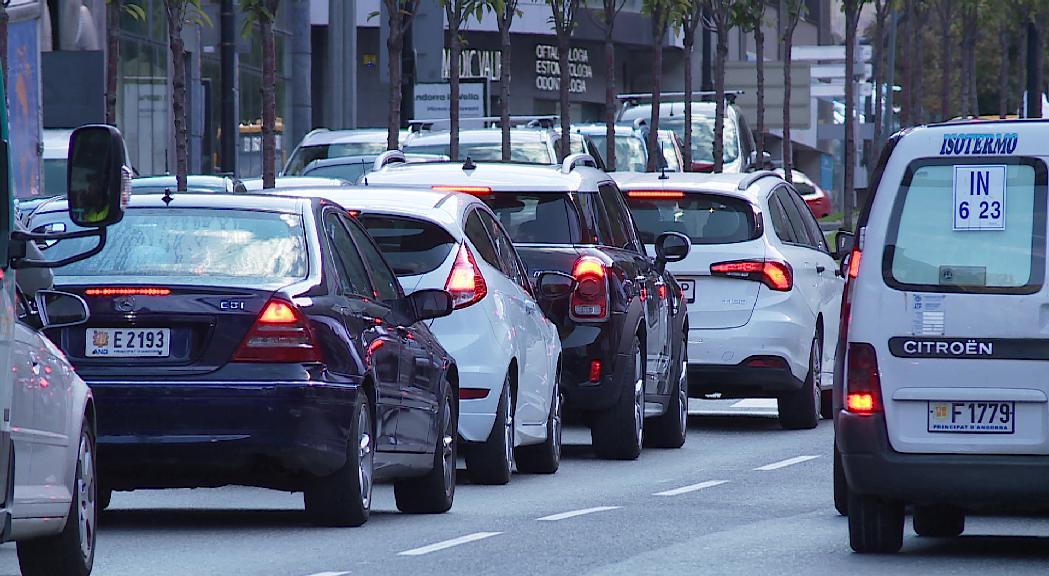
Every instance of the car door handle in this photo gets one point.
(820, 269)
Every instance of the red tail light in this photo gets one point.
(475, 190)
(589, 302)
(465, 282)
(656, 194)
(595, 370)
(846, 298)
(766, 362)
(127, 292)
(473, 393)
(863, 383)
(776, 275)
(281, 333)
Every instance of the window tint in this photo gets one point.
(815, 233)
(544, 217)
(505, 249)
(478, 236)
(306, 154)
(801, 234)
(411, 246)
(353, 274)
(925, 251)
(618, 216)
(526, 152)
(383, 279)
(704, 218)
(600, 232)
(779, 221)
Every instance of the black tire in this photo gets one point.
(105, 497)
(827, 404)
(670, 430)
(434, 492)
(841, 486)
(492, 461)
(618, 433)
(938, 521)
(545, 458)
(343, 498)
(800, 410)
(875, 525)
(71, 552)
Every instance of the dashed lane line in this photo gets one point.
(448, 543)
(691, 488)
(330, 574)
(574, 513)
(787, 462)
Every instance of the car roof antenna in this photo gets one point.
(167, 197)
(663, 172)
(469, 164)
(365, 165)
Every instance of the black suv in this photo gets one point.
(620, 314)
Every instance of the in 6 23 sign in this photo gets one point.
(979, 197)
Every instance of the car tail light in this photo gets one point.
(862, 383)
(475, 190)
(656, 194)
(465, 282)
(281, 333)
(473, 393)
(127, 292)
(766, 362)
(595, 370)
(589, 302)
(776, 275)
(846, 298)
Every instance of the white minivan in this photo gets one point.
(943, 402)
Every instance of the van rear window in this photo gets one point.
(944, 237)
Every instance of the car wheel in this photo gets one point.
(434, 492)
(841, 487)
(105, 497)
(800, 410)
(491, 462)
(545, 458)
(71, 552)
(938, 521)
(619, 432)
(671, 429)
(344, 497)
(875, 525)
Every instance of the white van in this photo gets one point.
(941, 382)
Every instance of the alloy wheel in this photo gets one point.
(365, 458)
(639, 400)
(86, 492)
(556, 428)
(682, 390)
(816, 367)
(448, 448)
(508, 430)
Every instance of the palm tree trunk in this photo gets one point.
(907, 33)
(720, 55)
(851, 23)
(453, 89)
(657, 98)
(112, 58)
(1003, 70)
(178, 101)
(393, 50)
(504, 89)
(759, 51)
(945, 59)
(918, 112)
(876, 78)
(689, 44)
(610, 99)
(563, 47)
(788, 161)
(269, 104)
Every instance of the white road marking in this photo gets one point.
(330, 574)
(763, 403)
(574, 513)
(449, 543)
(787, 462)
(691, 488)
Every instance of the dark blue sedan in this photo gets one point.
(260, 341)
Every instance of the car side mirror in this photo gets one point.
(672, 247)
(843, 243)
(429, 304)
(99, 179)
(58, 309)
(554, 285)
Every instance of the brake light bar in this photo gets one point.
(776, 275)
(127, 292)
(656, 194)
(475, 190)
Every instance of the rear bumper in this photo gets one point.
(736, 381)
(768, 333)
(186, 434)
(586, 343)
(968, 481)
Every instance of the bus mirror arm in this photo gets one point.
(21, 238)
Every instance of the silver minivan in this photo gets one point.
(943, 403)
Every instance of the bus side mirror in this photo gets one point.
(98, 177)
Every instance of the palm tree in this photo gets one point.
(264, 12)
(114, 11)
(399, 16)
(970, 29)
(609, 12)
(749, 15)
(563, 14)
(793, 11)
(720, 12)
(661, 14)
(504, 10)
(882, 10)
(852, 21)
(454, 13)
(177, 13)
(691, 15)
(945, 10)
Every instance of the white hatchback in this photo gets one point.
(507, 351)
(763, 291)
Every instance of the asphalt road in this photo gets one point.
(742, 497)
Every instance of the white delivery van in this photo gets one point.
(940, 380)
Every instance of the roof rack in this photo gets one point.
(573, 160)
(753, 177)
(389, 157)
(546, 121)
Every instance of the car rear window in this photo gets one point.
(630, 151)
(411, 246)
(704, 218)
(527, 152)
(929, 249)
(348, 172)
(189, 246)
(703, 136)
(306, 154)
(541, 218)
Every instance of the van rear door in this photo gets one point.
(959, 317)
